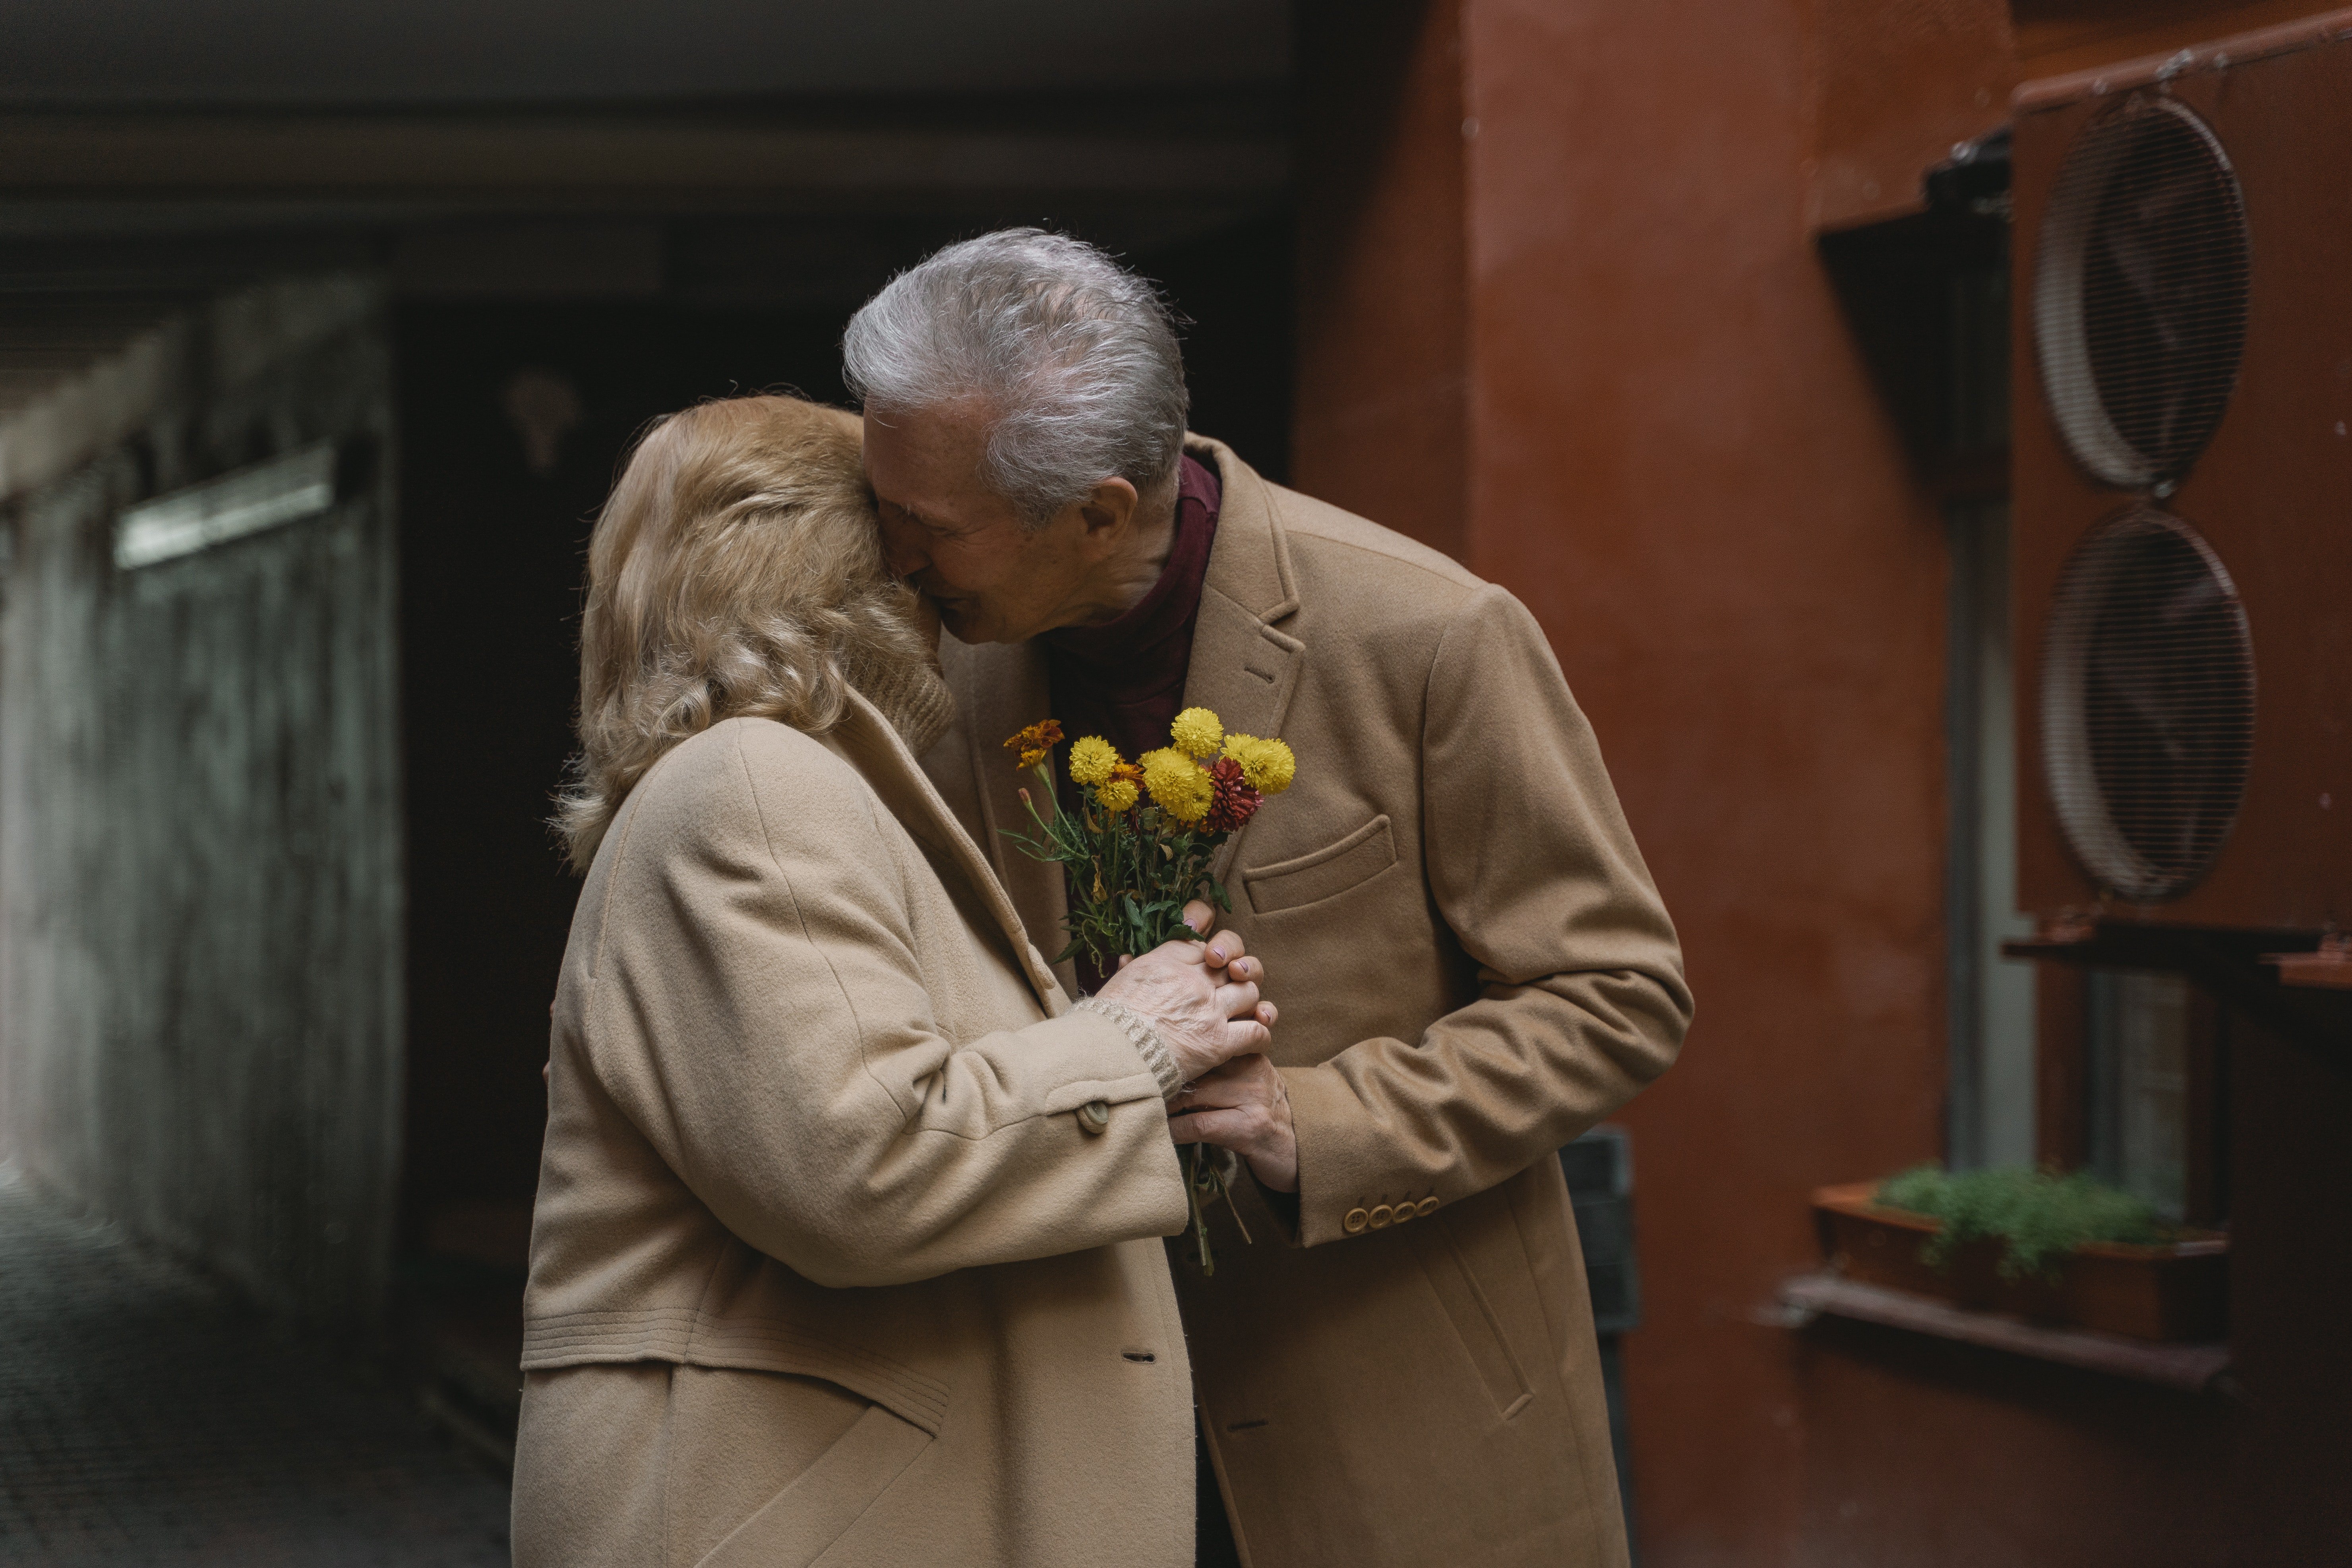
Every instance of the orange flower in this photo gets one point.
(1037, 742)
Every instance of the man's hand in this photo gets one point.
(1243, 1107)
(1200, 996)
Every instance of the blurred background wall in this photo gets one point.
(200, 819)
(1691, 324)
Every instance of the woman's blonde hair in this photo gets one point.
(736, 570)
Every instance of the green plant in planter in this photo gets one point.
(2039, 1216)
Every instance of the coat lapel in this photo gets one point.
(999, 691)
(874, 747)
(1243, 668)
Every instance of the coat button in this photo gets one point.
(1094, 1116)
(1354, 1222)
(1403, 1212)
(1427, 1205)
(1381, 1215)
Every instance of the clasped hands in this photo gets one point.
(1203, 997)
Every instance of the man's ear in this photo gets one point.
(1108, 511)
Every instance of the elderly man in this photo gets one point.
(1476, 967)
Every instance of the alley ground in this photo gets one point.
(146, 1419)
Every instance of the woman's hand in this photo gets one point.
(1200, 996)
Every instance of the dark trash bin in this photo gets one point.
(1600, 1170)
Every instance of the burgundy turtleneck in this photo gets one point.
(1124, 680)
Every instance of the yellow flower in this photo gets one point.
(1092, 757)
(1178, 786)
(1116, 796)
(1037, 742)
(1197, 732)
(1268, 765)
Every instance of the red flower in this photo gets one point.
(1232, 802)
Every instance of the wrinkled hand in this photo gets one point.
(1242, 1105)
(1202, 998)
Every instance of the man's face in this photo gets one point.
(962, 545)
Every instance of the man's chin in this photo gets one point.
(963, 621)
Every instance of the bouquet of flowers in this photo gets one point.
(1139, 848)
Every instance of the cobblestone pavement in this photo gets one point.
(146, 1420)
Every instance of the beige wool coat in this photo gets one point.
(825, 1264)
(1473, 968)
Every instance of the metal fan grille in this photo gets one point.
(2147, 705)
(2139, 301)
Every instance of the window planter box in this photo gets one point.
(2177, 1291)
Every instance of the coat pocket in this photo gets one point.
(1472, 1314)
(796, 1526)
(1322, 873)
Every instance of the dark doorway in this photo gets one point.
(513, 421)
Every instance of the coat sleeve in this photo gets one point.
(1581, 999)
(757, 1012)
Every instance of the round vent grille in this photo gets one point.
(2140, 292)
(2147, 705)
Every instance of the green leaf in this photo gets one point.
(2038, 1216)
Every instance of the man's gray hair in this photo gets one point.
(1075, 358)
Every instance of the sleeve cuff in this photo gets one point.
(1347, 1183)
(1146, 1040)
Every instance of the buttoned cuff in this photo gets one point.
(1081, 1055)
(1344, 1188)
(1144, 1039)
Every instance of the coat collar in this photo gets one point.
(867, 740)
(1001, 688)
(1250, 564)
(1243, 667)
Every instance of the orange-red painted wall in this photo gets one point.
(1680, 463)
(1670, 448)
(1382, 382)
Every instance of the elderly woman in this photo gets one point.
(844, 1244)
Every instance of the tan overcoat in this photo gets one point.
(1473, 968)
(825, 1264)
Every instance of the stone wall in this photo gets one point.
(200, 837)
